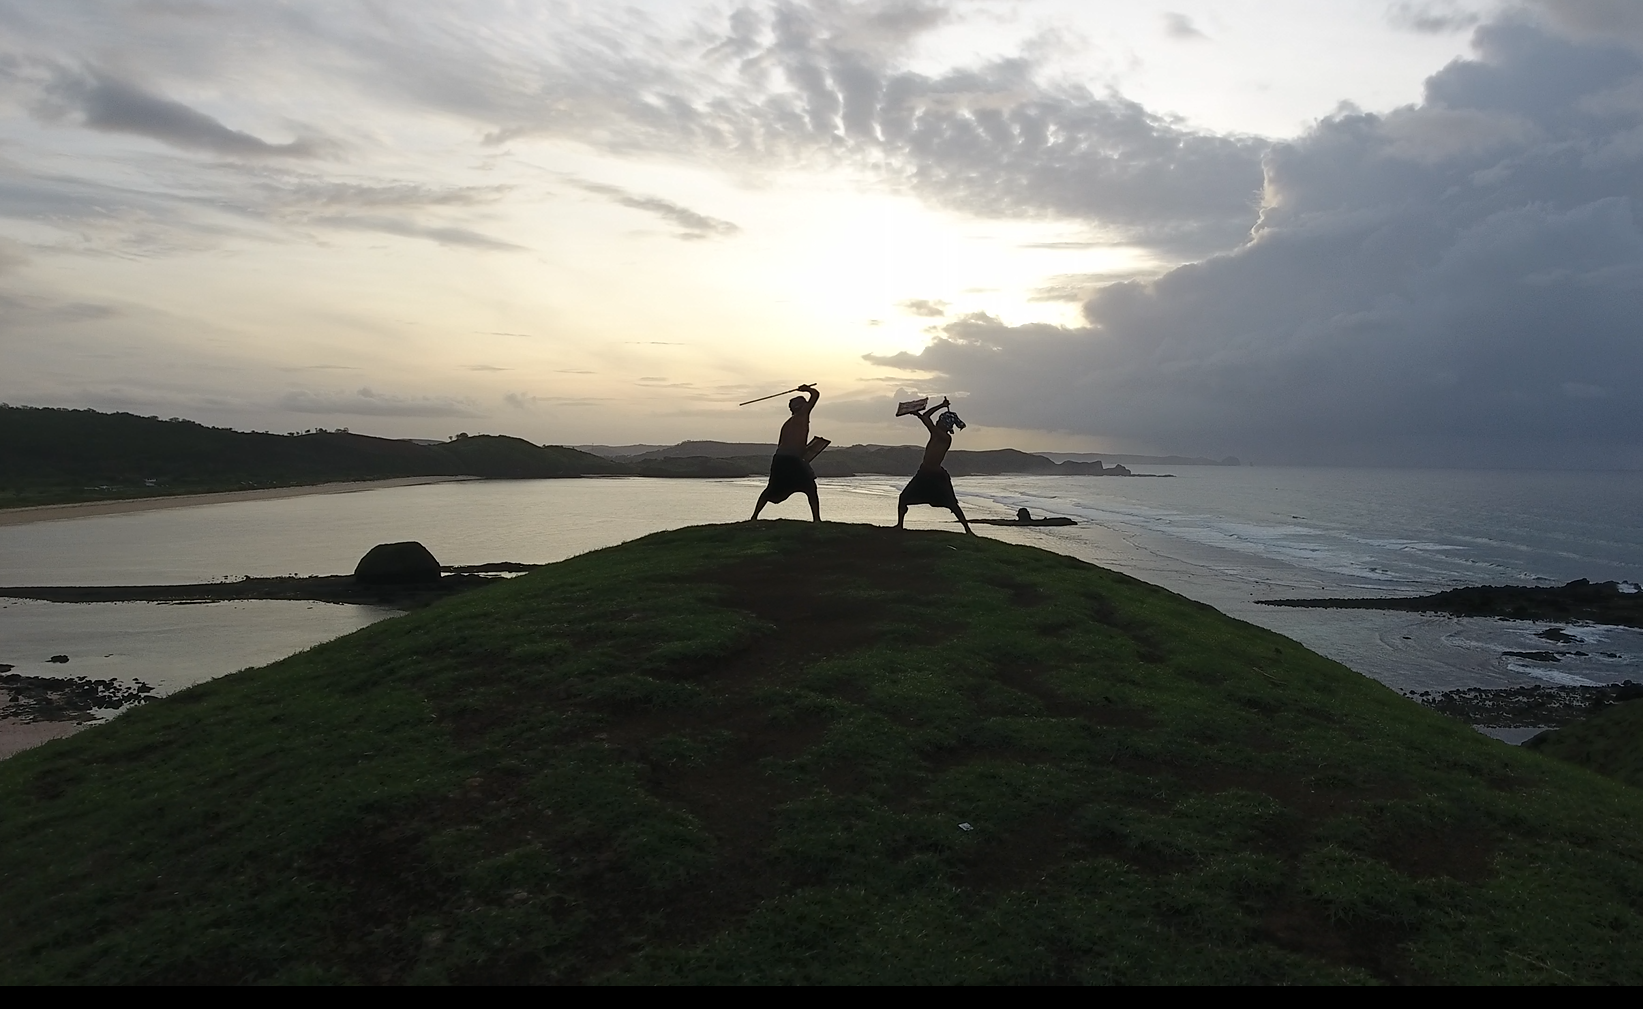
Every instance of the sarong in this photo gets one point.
(788, 475)
(932, 487)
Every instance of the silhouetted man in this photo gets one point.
(789, 472)
(931, 485)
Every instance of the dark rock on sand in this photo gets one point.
(404, 563)
(1560, 636)
(58, 659)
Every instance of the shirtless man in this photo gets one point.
(788, 470)
(931, 485)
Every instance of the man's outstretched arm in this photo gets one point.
(925, 415)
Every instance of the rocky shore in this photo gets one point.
(1528, 707)
(1616, 603)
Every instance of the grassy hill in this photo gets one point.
(1609, 742)
(779, 752)
(49, 456)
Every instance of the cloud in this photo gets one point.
(693, 225)
(1403, 299)
(116, 106)
(1077, 287)
(1180, 27)
(1602, 22)
(408, 228)
(928, 309)
(788, 85)
(11, 257)
(1432, 17)
(366, 402)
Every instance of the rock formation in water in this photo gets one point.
(397, 564)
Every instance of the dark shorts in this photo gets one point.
(932, 487)
(789, 475)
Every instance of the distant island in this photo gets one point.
(1611, 603)
(59, 456)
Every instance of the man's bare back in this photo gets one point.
(795, 434)
(796, 429)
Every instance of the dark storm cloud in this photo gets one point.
(1455, 282)
(1600, 21)
(1432, 17)
(692, 225)
(115, 106)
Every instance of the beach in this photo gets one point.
(87, 509)
(17, 735)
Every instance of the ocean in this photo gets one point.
(1227, 536)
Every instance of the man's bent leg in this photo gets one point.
(901, 514)
(963, 521)
(815, 505)
(764, 499)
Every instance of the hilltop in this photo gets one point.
(779, 752)
(49, 456)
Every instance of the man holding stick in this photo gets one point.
(789, 472)
(932, 485)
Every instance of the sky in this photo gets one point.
(1358, 232)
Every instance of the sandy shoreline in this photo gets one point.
(17, 735)
(86, 509)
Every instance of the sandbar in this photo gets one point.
(87, 509)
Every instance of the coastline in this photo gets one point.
(86, 509)
(17, 735)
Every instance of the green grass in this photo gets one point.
(742, 754)
(1609, 742)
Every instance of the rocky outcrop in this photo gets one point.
(406, 563)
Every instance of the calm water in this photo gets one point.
(1226, 536)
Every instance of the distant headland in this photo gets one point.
(51, 456)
